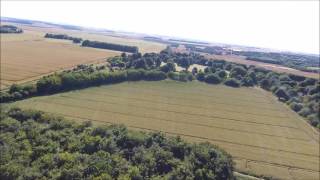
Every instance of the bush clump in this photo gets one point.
(212, 79)
(232, 82)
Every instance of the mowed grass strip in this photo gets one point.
(247, 124)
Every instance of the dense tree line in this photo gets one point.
(10, 29)
(75, 79)
(300, 93)
(63, 36)
(110, 46)
(36, 145)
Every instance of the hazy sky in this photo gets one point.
(286, 25)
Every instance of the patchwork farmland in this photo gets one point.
(28, 59)
(28, 56)
(262, 135)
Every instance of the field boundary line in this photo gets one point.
(260, 147)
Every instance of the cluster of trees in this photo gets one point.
(36, 145)
(63, 36)
(110, 46)
(17, 92)
(10, 29)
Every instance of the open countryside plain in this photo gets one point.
(28, 56)
(111, 37)
(262, 135)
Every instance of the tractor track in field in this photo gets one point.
(261, 147)
(167, 120)
(177, 104)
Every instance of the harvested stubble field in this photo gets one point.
(262, 134)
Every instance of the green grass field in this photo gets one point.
(262, 134)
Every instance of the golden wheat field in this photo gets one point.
(116, 37)
(28, 56)
(262, 134)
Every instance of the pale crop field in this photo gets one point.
(118, 38)
(28, 56)
(262, 134)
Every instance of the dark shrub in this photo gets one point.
(135, 75)
(296, 106)
(212, 79)
(201, 76)
(155, 75)
(222, 74)
(282, 94)
(296, 77)
(305, 112)
(232, 83)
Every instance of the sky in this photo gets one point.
(283, 25)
